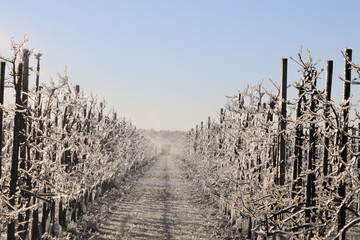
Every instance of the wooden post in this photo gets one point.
(2, 82)
(15, 152)
(310, 183)
(272, 153)
(283, 91)
(24, 150)
(45, 214)
(86, 197)
(353, 139)
(66, 158)
(196, 138)
(344, 139)
(62, 215)
(329, 73)
(23, 104)
(221, 140)
(37, 56)
(77, 89)
(240, 101)
(208, 127)
(221, 115)
(48, 207)
(73, 205)
(35, 233)
(297, 167)
(101, 111)
(196, 131)
(52, 211)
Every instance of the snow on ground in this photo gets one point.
(160, 204)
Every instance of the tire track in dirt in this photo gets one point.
(160, 205)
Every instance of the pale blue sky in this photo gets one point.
(169, 64)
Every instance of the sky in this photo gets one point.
(170, 64)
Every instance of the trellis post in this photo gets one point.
(329, 72)
(283, 95)
(344, 139)
(2, 87)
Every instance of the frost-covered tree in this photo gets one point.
(238, 158)
(59, 147)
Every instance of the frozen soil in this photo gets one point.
(160, 204)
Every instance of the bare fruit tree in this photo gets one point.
(61, 149)
(315, 194)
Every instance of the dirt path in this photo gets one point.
(160, 205)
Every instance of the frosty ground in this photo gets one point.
(161, 203)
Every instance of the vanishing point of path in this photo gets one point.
(160, 205)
